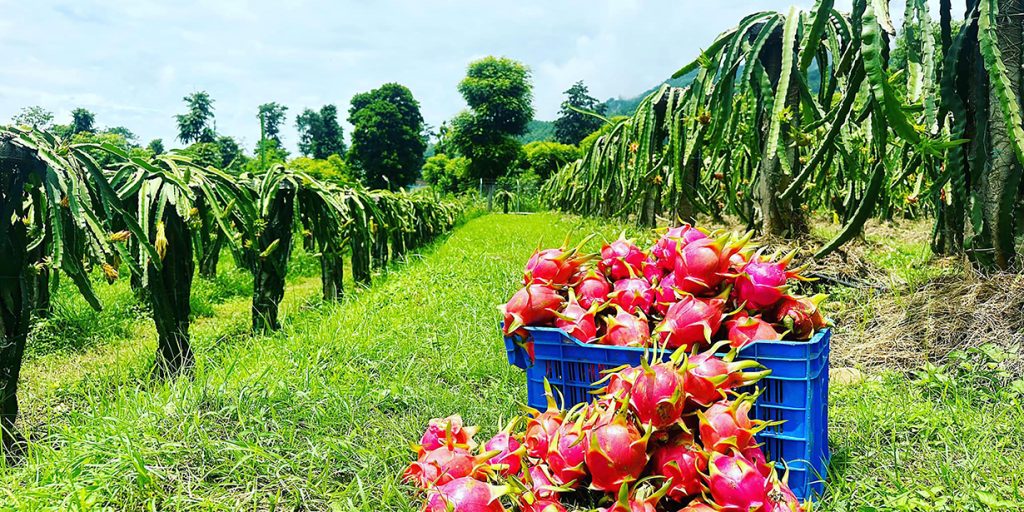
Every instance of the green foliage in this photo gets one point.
(320, 134)
(387, 137)
(33, 117)
(538, 131)
(499, 94)
(272, 116)
(334, 169)
(156, 146)
(573, 125)
(446, 174)
(196, 124)
(588, 142)
(546, 158)
(82, 120)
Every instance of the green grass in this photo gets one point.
(320, 416)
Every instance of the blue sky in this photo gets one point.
(131, 61)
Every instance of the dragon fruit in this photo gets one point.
(698, 506)
(651, 271)
(531, 305)
(566, 451)
(744, 329)
(621, 259)
(665, 293)
(706, 376)
(636, 501)
(800, 316)
(682, 461)
(657, 396)
(755, 454)
(592, 288)
(726, 425)
(761, 282)
(576, 321)
(633, 294)
(616, 455)
(542, 505)
(509, 457)
(541, 426)
(626, 330)
(691, 322)
(442, 465)
(666, 248)
(446, 432)
(702, 265)
(735, 485)
(554, 267)
(465, 495)
(781, 497)
(619, 382)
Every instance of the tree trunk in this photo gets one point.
(361, 257)
(332, 274)
(271, 269)
(170, 290)
(1002, 173)
(209, 260)
(397, 243)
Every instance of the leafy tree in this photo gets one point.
(572, 126)
(231, 155)
(499, 94)
(129, 136)
(34, 116)
(447, 174)
(332, 170)
(82, 120)
(387, 136)
(195, 125)
(206, 154)
(545, 158)
(156, 146)
(320, 134)
(271, 116)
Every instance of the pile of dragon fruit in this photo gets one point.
(689, 289)
(664, 436)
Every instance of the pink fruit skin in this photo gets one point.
(701, 266)
(617, 454)
(577, 322)
(697, 506)
(760, 284)
(541, 482)
(531, 305)
(624, 330)
(755, 454)
(551, 267)
(724, 428)
(440, 466)
(620, 384)
(565, 454)
(744, 330)
(782, 499)
(542, 505)
(437, 431)
(666, 248)
(592, 288)
(633, 294)
(691, 322)
(798, 314)
(539, 431)
(682, 460)
(657, 396)
(508, 458)
(621, 259)
(735, 485)
(665, 294)
(463, 495)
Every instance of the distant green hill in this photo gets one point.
(538, 130)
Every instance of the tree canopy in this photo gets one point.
(82, 120)
(387, 136)
(196, 124)
(320, 134)
(572, 126)
(272, 116)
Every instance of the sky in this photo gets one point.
(132, 61)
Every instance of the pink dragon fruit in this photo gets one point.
(619, 382)
(698, 506)
(666, 248)
(755, 454)
(446, 432)
(592, 288)
(706, 376)
(702, 265)
(800, 316)
(626, 330)
(636, 501)
(576, 321)
(781, 497)
(621, 259)
(442, 465)
(726, 426)
(744, 329)
(735, 485)
(531, 305)
(691, 322)
(633, 294)
(542, 505)
(682, 461)
(554, 267)
(465, 495)
(566, 451)
(651, 271)
(616, 455)
(657, 396)
(665, 294)
(509, 457)
(761, 282)
(542, 426)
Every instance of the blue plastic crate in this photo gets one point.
(795, 393)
